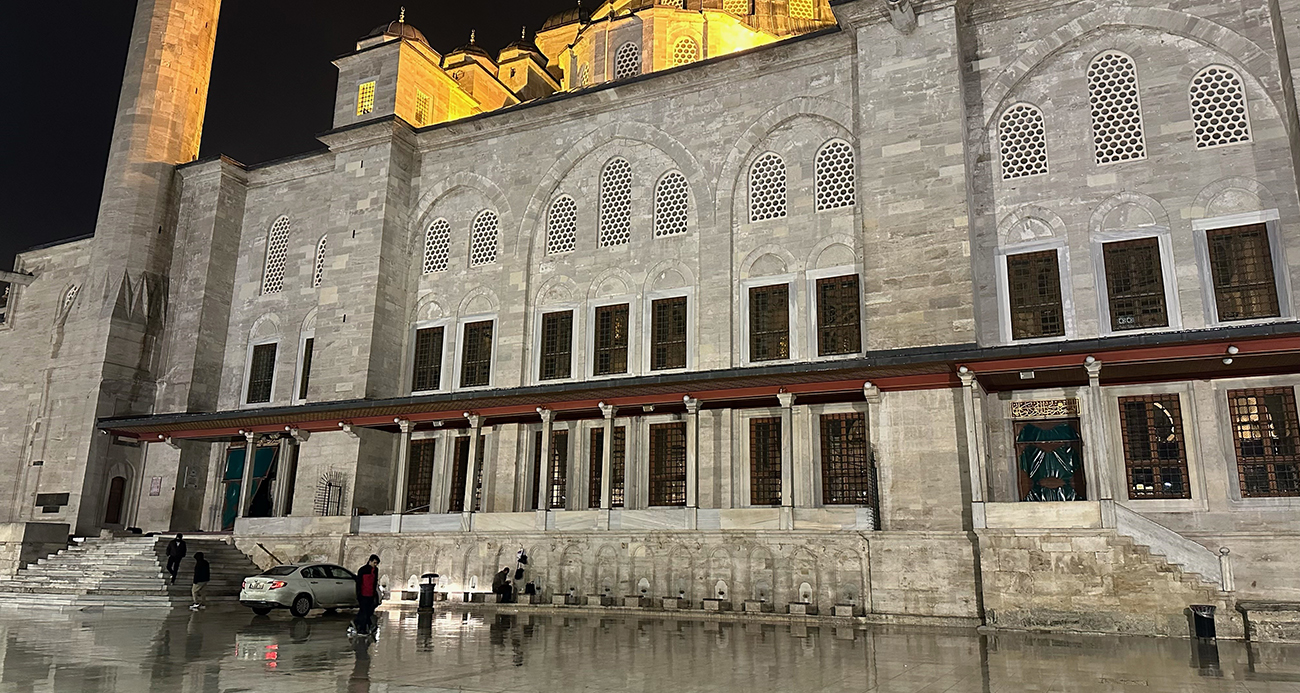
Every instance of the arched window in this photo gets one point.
(562, 226)
(1116, 109)
(803, 9)
(627, 61)
(1218, 100)
(437, 246)
(740, 7)
(672, 205)
(615, 203)
(71, 296)
(318, 275)
(767, 188)
(277, 251)
(1022, 139)
(836, 176)
(483, 242)
(685, 51)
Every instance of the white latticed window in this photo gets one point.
(1219, 107)
(671, 3)
(836, 176)
(423, 108)
(740, 7)
(803, 9)
(627, 62)
(277, 251)
(685, 51)
(562, 226)
(1116, 110)
(70, 297)
(483, 242)
(672, 205)
(615, 203)
(767, 188)
(318, 274)
(437, 246)
(584, 76)
(1022, 139)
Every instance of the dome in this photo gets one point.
(398, 29)
(569, 16)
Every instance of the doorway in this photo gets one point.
(116, 498)
(1049, 456)
(260, 503)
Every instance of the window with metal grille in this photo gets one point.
(769, 322)
(765, 461)
(1218, 99)
(437, 247)
(1241, 267)
(1154, 453)
(627, 61)
(803, 9)
(616, 203)
(557, 345)
(672, 205)
(685, 51)
(304, 381)
(616, 467)
(366, 98)
(1116, 109)
(836, 177)
(670, 3)
(460, 474)
(1034, 281)
(740, 7)
(848, 477)
(562, 226)
(668, 333)
(584, 75)
(531, 501)
(668, 464)
(1135, 286)
(423, 108)
(767, 188)
(483, 242)
(318, 274)
(1022, 140)
(427, 373)
(419, 475)
(839, 321)
(476, 357)
(1266, 434)
(261, 374)
(277, 254)
(559, 469)
(611, 340)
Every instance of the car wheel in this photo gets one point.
(261, 610)
(301, 605)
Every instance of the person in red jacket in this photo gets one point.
(367, 594)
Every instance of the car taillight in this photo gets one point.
(277, 584)
(244, 584)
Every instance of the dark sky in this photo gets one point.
(272, 89)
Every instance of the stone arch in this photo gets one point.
(720, 569)
(641, 566)
(844, 583)
(477, 301)
(1232, 195)
(265, 327)
(1126, 211)
(126, 494)
(803, 568)
(834, 251)
(1030, 223)
(309, 322)
(762, 574)
(614, 281)
(669, 274)
(557, 290)
(768, 260)
(681, 579)
(607, 573)
(469, 573)
(498, 202)
(571, 571)
(428, 308)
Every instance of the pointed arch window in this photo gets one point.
(767, 188)
(318, 273)
(627, 61)
(277, 252)
(672, 205)
(1218, 101)
(483, 242)
(615, 203)
(1116, 109)
(836, 176)
(685, 51)
(562, 226)
(437, 247)
(1022, 141)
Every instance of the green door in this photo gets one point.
(1051, 466)
(233, 479)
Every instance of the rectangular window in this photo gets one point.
(839, 317)
(765, 461)
(476, 357)
(427, 373)
(1241, 267)
(419, 475)
(557, 345)
(769, 322)
(261, 374)
(1154, 453)
(615, 468)
(308, 351)
(460, 474)
(559, 469)
(1135, 285)
(668, 464)
(611, 339)
(423, 108)
(668, 333)
(847, 474)
(366, 98)
(1034, 284)
(1266, 434)
(531, 501)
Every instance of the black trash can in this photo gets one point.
(1203, 621)
(427, 582)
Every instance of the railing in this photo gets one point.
(1176, 548)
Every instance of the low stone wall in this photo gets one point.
(1272, 621)
(22, 543)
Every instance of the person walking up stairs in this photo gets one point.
(202, 575)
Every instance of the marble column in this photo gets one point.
(403, 466)
(250, 454)
(544, 469)
(607, 458)
(471, 466)
(282, 471)
(692, 451)
(787, 459)
(976, 465)
(1099, 477)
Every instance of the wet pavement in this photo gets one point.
(228, 649)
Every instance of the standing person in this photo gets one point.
(367, 595)
(175, 552)
(202, 574)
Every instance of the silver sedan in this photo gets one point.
(300, 588)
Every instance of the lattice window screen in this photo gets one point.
(557, 345)
(1135, 288)
(1218, 100)
(1022, 139)
(1034, 283)
(318, 274)
(627, 61)
(1116, 109)
(1154, 456)
(835, 176)
(668, 464)
(767, 188)
(685, 51)
(765, 461)
(1241, 267)
(277, 252)
(672, 205)
(366, 98)
(437, 247)
(740, 7)
(476, 356)
(616, 203)
(483, 243)
(1266, 435)
(562, 226)
(803, 9)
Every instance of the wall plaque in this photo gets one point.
(1045, 409)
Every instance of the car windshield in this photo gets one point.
(282, 570)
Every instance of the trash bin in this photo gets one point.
(427, 582)
(1203, 621)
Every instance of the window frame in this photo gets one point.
(373, 83)
(790, 280)
(814, 328)
(1192, 440)
(648, 320)
(633, 339)
(651, 425)
(1168, 278)
(299, 370)
(814, 474)
(408, 371)
(1224, 395)
(459, 351)
(1281, 273)
(1004, 289)
(248, 375)
(574, 356)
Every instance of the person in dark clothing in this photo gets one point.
(202, 575)
(502, 588)
(367, 594)
(175, 552)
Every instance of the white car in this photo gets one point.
(300, 588)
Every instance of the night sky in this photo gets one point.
(272, 89)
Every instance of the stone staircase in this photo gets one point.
(127, 572)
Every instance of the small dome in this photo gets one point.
(569, 16)
(398, 29)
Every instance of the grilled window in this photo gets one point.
(308, 350)
(616, 467)
(318, 273)
(1135, 284)
(366, 98)
(557, 345)
(611, 339)
(668, 333)
(668, 464)
(1154, 452)
(460, 475)
(277, 256)
(423, 108)
(765, 461)
(261, 374)
(537, 471)
(427, 374)
(1034, 280)
(559, 469)
(1266, 434)
(769, 322)
(476, 359)
(419, 475)
(1241, 265)
(848, 476)
(839, 329)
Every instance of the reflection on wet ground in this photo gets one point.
(232, 650)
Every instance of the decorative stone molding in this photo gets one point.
(1044, 409)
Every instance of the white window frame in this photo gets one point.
(792, 281)
(460, 350)
(1191, 442)
(408, 366)
(575, 362)
(298, 370)
(1067, 289)
(745, 470)
(248, 374)
(1281, 273)
(1167, 274)
(814, 335)
(1228, 450)
(647, 319)
(633, 338)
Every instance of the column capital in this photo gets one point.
(692, 404)
(870, 392)
(251, 437)
(786, 399)
(475, 420)
(609, 411)
(405, 425)
(1093, 366)
(547, 415)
